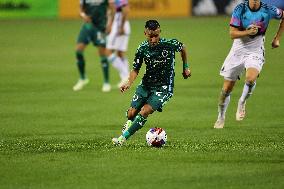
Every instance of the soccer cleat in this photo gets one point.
(106, 87)
(126, 126)
(118, 141)
(80, 84)
(219, 124)
(241, 111)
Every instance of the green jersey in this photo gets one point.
(160, 62)
(97, 10)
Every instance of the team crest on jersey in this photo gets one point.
(135, 97)
(165, 53)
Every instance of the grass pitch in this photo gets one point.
(52, 137)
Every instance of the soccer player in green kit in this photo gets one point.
(94, 15)
(156, 87)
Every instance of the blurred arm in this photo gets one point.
(277, 37)
(83, 15)
(236, 33)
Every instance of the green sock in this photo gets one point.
(137, 124)
(81, 64)
(105, 67)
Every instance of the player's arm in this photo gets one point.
(132, 76)
(277, 37)
(185, 66)
(83, 14)
(237, 33)
(125, 12)
(138, 60)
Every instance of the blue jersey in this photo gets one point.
(119, 4)
(243, 16)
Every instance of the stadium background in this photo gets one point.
(52, 137)
(140, 8)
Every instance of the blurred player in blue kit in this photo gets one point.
(248, 25)
(118, 36)
(156, 87)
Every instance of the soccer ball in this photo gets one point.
(156, 137)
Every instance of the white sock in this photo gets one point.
(223, 104)
(247, 91)
(118, 64)
(125, 68)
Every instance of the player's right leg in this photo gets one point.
(125, 68)
(223, 104)
(136, 115)
(231, 70)
(153, 101)
(82, 42)
(138, 122)
(83, 80)
(134, 123)
(105, 68)
(117, 46)
(117, 63)
(121, 46)
(249, 86)
(253, 65)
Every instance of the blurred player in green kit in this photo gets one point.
(94, 15)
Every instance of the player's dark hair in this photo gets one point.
(152, 24)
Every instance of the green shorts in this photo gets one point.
(156, 98)
(89, 33)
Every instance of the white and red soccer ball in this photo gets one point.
(156, 137)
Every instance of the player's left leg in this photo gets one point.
(105, 68)
(152, 100)
(138, 101)
(138, 122)
(99, 40)
(253, 64)
(249, 86)
(82, 42)
(231, 70)
(156, 101)
(224, 101)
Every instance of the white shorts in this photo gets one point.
(236, 63)
(115, 41)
